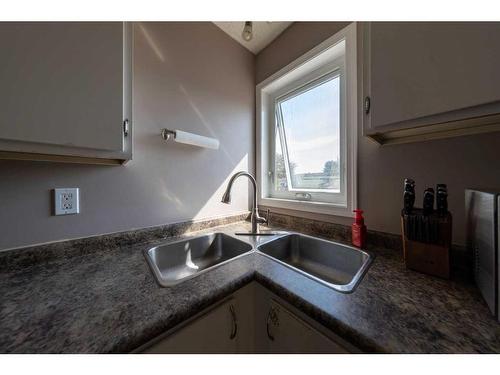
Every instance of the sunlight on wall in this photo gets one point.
(151, 42)
(210, 173)
(171, 197)
(239, 195)
(204, 122)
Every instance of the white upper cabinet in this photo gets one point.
(65, 91)
(430, 79)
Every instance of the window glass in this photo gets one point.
(280, 176)
(307, 155)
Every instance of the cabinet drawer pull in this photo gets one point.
(234, 330)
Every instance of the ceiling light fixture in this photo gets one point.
(247, 33)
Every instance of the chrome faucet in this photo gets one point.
(255, 219)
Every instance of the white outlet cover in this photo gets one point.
(66, 201)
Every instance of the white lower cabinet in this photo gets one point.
(252, 320)
(215, 331)
(287, 333)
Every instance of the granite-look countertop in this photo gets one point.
(108, 301)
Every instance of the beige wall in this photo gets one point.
(462, 162)
(296, 40)
(188, 76)
(193, 77)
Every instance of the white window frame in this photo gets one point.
(316, 78)
(336, 53)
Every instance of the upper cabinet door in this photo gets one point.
(426, 73)
(65, 88)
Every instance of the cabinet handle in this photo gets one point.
(272, 317)
(234, 330)
(367, 104)
(125, 127)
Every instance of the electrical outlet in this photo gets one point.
(66, 201)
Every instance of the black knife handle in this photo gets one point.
(428, 204)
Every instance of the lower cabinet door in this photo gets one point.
(287, 333)
(252, 320)
(215, 331)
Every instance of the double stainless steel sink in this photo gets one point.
(335, 265)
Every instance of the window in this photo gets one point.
(307, 130)
(307, 141)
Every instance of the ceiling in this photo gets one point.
(263, 33)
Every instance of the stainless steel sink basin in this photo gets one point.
(338, 266)
(181, 260)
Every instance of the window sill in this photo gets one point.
(313, 207)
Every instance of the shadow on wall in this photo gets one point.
(188, 76)
(459, 162)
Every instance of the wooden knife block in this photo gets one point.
(429, 258)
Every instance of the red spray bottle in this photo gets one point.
(359, 230)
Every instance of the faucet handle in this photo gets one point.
(268, 216)
(263, 220)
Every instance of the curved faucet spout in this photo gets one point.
(226, 198)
